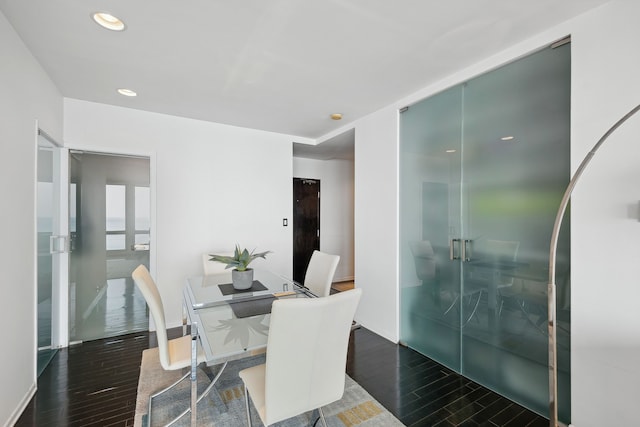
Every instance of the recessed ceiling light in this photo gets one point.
(108, 21)
(336, 116)
(127, 92)
(450, 151)
(507, 138)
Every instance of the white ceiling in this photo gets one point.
(276, 65)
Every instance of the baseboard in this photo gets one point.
(13, 419)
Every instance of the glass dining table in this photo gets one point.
(227, 324)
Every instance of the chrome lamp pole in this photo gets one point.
(551, 290)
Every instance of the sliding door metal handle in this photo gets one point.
(465, 251)
(452, 249)
(58, 244)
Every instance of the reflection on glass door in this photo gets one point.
(430, 215)
(47, 245)
(483, 169)
(516, 161)
(110, 236)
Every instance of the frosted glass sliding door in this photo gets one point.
(49, 244)
(516, 127)
(483, 168)
(110, 236)
(430, 218)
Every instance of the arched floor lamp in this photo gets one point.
(553, 369)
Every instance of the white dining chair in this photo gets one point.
(174, 354)
(306, 357)
(320, 272)
(434, 276)
(213, 267)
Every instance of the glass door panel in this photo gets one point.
(47, 195)
(516, 166)
(110, 229)
(483, 167)
(429, 220)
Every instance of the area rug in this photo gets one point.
(224, 406)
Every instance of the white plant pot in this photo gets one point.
(242, 279)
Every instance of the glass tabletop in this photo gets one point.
(229, 324)
(216, 289)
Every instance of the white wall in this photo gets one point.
(605, 211)
(212, 186)
(376, 219)
(336, 208)
(26, 95)
(605, 223)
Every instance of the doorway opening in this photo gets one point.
(331, 162)
(306, 224)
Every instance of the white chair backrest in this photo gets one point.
(319, 275)
(307, 353)
(213, 267)
(499, 251)
(424, 259)
(503, 250)
(149, 290)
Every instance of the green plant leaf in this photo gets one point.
(240, 259)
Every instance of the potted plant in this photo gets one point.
(241, 275)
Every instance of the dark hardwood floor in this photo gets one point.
(95, 384)
(421, 392)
